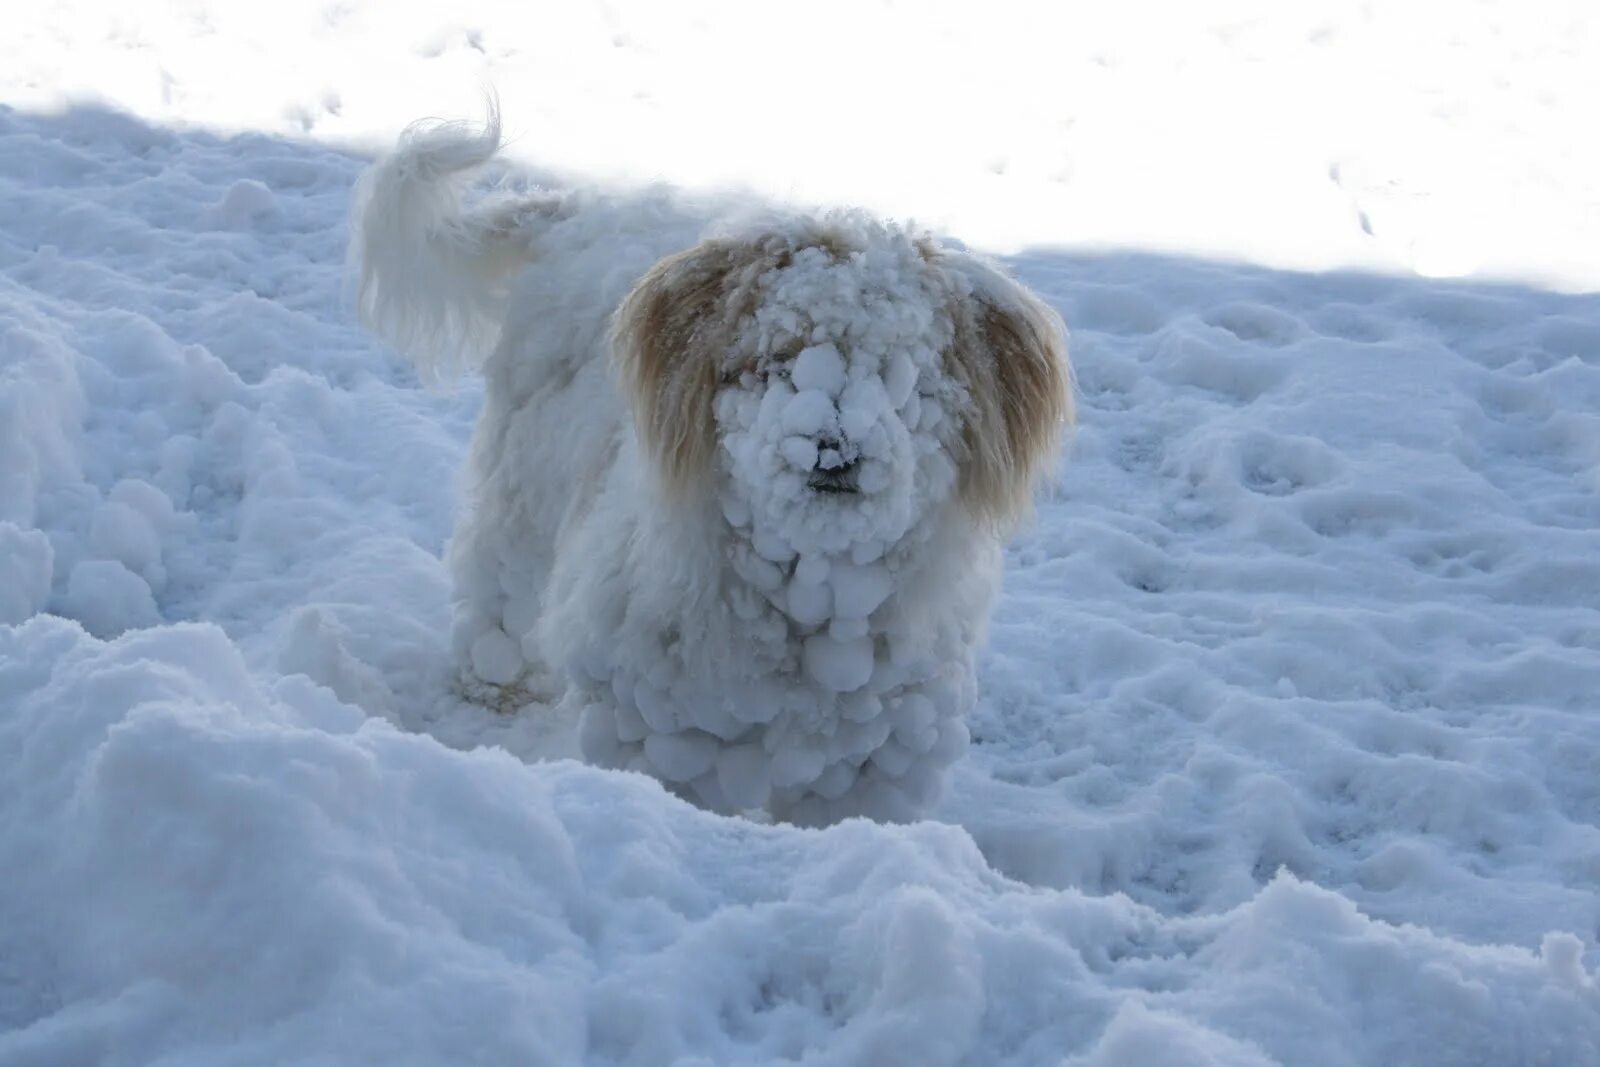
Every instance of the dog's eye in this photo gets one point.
(744, 377)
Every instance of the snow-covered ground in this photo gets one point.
(1288, 743)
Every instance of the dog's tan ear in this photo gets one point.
(669, 337)
(1010, 351)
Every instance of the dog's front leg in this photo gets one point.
(499, 579)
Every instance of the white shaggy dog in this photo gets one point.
(739, 488)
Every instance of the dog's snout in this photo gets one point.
(832, 457)
(835, 468)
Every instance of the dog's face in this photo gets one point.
(836, 384)
(838, 424)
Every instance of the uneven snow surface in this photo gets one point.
(1287, 744)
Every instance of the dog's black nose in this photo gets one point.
(832, 458)
(835, 468)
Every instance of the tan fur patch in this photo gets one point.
(668, 337)
(1010, 352)
(673, 331)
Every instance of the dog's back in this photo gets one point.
(522, 286)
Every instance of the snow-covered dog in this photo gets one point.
(738, 487)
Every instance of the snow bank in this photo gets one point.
(26, 562)
(183, 443)
(213, 868)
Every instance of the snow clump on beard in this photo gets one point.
(838, 421)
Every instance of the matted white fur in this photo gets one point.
(738, 487)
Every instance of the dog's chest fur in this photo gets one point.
(739, 704)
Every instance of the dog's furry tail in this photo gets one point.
(432, 273)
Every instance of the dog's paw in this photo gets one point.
(505, 699)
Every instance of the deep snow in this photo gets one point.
(1287, 747)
